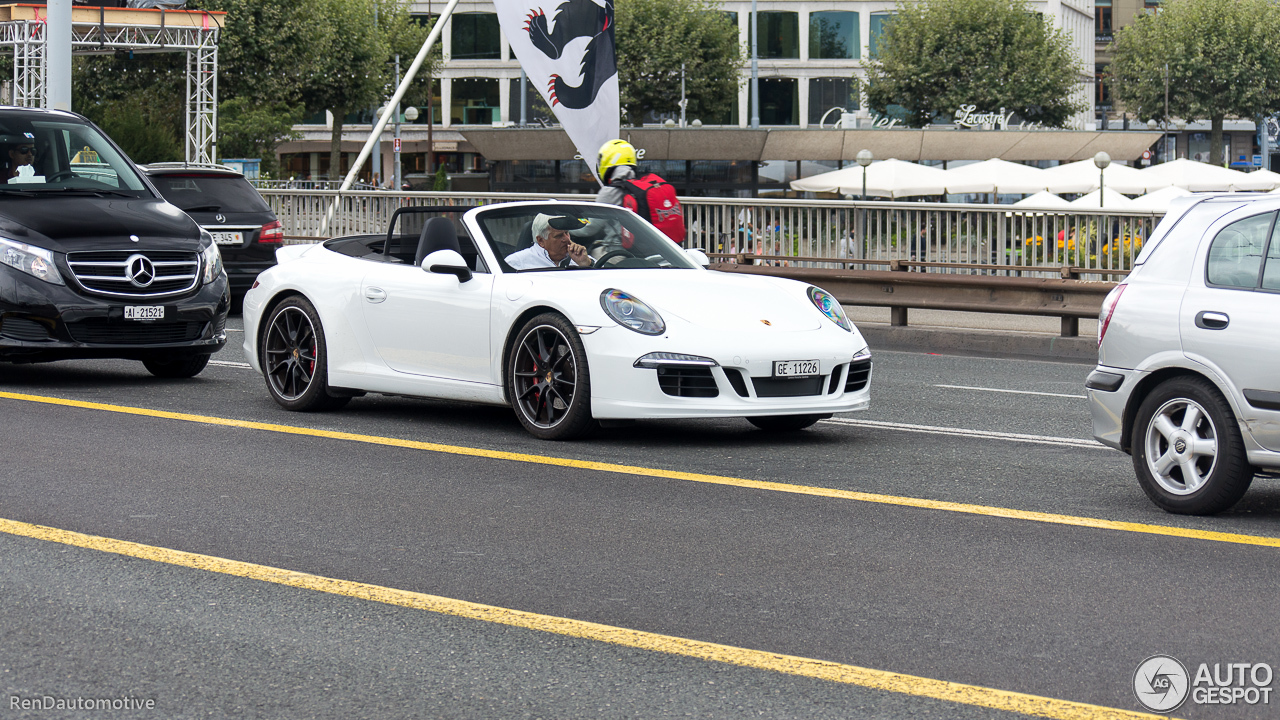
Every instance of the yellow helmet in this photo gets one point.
(613, 154)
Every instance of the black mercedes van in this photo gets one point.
(94, 263)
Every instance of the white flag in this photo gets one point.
(567, 50)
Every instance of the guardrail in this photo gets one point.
(898, 290)
(947, 237)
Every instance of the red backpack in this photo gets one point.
(653, 198)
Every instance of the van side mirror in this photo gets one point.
(447, 262)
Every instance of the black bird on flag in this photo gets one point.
(574, 19)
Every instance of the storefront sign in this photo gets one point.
(966, 116)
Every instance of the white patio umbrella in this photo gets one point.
(1202, 177)
(1158, 200)
(1111, 200)
(996, 176)
(1082, 176)
(886, 178)
(1261, 177)
(1042, 201)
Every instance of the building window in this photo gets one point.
(1102, 15)
(475, 101)
(826, 94)
(475, 37)
(536, 111)
(779, 101)
(1101, 79)
(834, 35)
(778, 35)
(878, 22)
(1151, 6)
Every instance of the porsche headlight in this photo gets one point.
(830, 307)
(210, 258)
(32, 260)
(631, 312)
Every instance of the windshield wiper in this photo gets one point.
(202, 208)
(92, 191)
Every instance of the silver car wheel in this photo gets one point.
(1181, 446)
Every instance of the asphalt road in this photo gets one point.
(694, 548)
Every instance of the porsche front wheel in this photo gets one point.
(295, 358)
(547, 379)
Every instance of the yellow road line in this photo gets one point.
(713, 652)
(986, 510)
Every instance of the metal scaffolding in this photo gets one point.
(103, 31)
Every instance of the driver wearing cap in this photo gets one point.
(552, 245)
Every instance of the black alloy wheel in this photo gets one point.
(548, 382)
(294, 358)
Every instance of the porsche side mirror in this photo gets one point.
(698, 256)
(447, 262)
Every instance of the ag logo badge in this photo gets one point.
(1161, 683)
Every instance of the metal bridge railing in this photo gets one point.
(934, 237)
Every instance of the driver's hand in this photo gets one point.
(579, 254)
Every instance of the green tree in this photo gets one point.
(248, 129)
(936, 55)
(1222, 59)
(655, 36)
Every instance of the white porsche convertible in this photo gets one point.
(638, 329)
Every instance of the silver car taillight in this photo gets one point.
(1109, 308)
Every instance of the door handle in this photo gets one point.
(375, 294)
(1210, 320)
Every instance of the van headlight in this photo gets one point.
(631, 312)
(32, 260)
(210, 258)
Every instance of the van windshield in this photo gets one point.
(50, 155)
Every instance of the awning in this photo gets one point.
(814, 144)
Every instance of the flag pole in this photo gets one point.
(390, 110)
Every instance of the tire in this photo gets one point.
(785, 423)
(176, 366)
(294, 358)
(548, 379)
(1211, 472)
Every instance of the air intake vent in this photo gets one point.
(120, 332)
(787, 387)
(736, 380)
(688, 382)
(16, 328)
(859, 375)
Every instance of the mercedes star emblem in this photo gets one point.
(220, 218)
(139, 270)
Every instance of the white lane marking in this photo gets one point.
(1015, 392)
(233, 330)
(964, 432)
(229, 363)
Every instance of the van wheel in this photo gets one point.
(176, 366)
(1187, 449)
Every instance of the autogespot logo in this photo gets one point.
(1161, 683)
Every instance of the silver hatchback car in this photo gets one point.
(1188, 375)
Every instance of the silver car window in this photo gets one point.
(1235, 257)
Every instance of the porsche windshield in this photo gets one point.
(52, 155)
(612, 238)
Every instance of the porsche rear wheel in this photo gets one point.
(785, 423)
(295, 358)
(548, 382)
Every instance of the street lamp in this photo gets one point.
(864, 157)
(410, 114)
(1102, 160)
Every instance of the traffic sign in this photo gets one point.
(396, 145)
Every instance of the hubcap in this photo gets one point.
(1181, 446)
(545, 374)
(289, 353)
